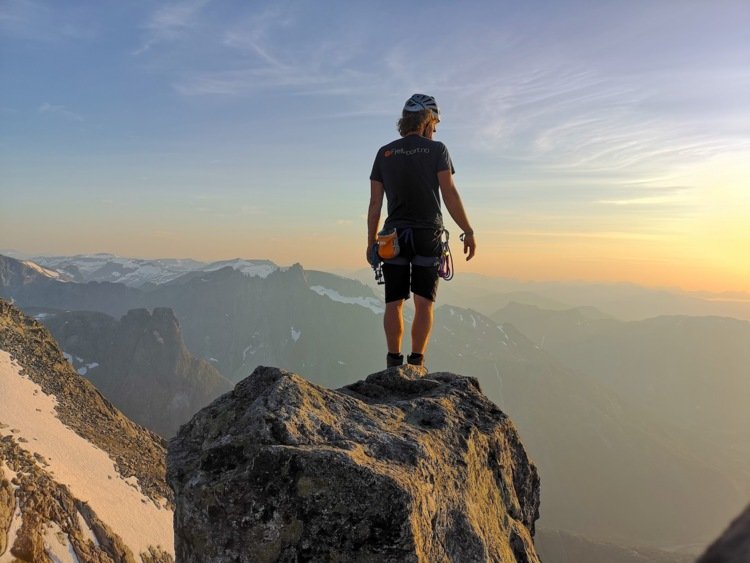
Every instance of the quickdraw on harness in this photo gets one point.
(445, 269)
(387, 248)
(376, 263)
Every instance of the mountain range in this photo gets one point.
(48, 522)
(472, 291)
(612, 466)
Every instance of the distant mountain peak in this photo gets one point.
(251, 268)
(141, 364)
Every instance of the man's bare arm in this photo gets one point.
(377, 191)
(455, 207)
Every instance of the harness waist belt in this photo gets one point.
(424, 261)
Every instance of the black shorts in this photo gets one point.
(420, 280)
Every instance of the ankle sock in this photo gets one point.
(415, 359)
(394, 359)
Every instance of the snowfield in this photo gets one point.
(87, 471)
(375, 305)
(41, 270)
(251, 268)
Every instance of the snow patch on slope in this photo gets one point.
(296, 334)
(88, 533)
(57, 545)
(506, 339)
(16, 520)
(15, 525)
(83, 370)
(41, 270)
(251, 268)
(367, 302)
(86, 470)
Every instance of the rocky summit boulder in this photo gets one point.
(401, 467)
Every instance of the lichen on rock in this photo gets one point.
(403, 466)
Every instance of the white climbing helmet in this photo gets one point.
(419, 102)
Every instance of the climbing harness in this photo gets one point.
(387, 248)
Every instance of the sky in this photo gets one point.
(595, 141)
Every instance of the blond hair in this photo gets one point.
(414, 121)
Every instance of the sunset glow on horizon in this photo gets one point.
(604, 142)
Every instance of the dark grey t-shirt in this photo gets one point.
(408, 169)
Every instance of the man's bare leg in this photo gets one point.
(422, 325)
(393, 323)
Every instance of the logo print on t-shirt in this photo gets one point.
(387, 153)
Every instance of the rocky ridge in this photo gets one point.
(401, 467)
(141, 364)
(45, 504)
(31, 499)
(137, 452)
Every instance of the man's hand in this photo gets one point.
(456, 208)
(377, 192)
(371, 253)
(470, 246)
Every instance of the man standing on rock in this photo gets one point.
(413, 172)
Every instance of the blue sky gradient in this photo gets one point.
(592, 140)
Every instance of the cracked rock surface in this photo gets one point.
(401, 467)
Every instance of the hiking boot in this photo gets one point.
(415, 359)
(394, 360)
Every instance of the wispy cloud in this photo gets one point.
(38, 21)
(239, 82)
(274, 49)
(647, 200)
(22, 17)
(171, 22)
(62, 111)
(577, 234)
(581, 102)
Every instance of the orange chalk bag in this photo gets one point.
(388, 244)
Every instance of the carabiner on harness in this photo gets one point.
(377, 264)
(445, 269)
